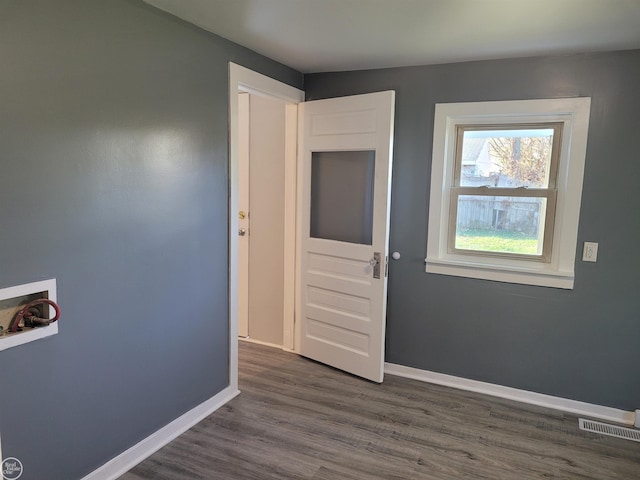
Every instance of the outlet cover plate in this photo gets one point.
(590, 252)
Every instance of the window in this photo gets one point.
(506, 183)
(505, 205)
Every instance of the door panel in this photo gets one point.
(342, 196)
(344, 178)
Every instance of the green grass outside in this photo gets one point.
(496, 241)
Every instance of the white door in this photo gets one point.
(345, 155)
(243, 214)
(261, 200)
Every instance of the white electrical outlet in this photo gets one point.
(590, 252)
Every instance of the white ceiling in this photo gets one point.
(335, 35)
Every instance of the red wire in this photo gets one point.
(14, 326)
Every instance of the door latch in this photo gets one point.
(375, 263)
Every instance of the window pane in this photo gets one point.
(500, 224)
(515, 157)
(342, 196)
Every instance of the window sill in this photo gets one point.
(542, 276)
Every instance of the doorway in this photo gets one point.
(339, 293)
(244, 80)
(261, 219)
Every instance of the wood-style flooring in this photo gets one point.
(297, 419)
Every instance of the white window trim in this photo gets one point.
(559, 272)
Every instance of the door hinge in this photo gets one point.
(386, 266)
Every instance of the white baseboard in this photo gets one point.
(533, 398)
(128, 459)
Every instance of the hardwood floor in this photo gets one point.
(297, 419)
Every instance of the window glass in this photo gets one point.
(342, 196)
(507, 158)
(504, 190)
(511, 225)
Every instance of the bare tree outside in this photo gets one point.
(524, 160)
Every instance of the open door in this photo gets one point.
(344, 178)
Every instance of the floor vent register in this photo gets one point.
(610, 430)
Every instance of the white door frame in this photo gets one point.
(243, 79)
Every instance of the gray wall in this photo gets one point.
(113, 179)
(581, 344)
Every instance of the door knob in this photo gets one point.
(373, 262)
(242, 232)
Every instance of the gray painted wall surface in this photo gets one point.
(113, 179)
(581, 344)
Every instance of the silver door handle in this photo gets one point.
(242, 232)
(373, 262)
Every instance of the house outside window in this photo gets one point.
(505, 190)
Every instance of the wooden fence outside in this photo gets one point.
(499, 213)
